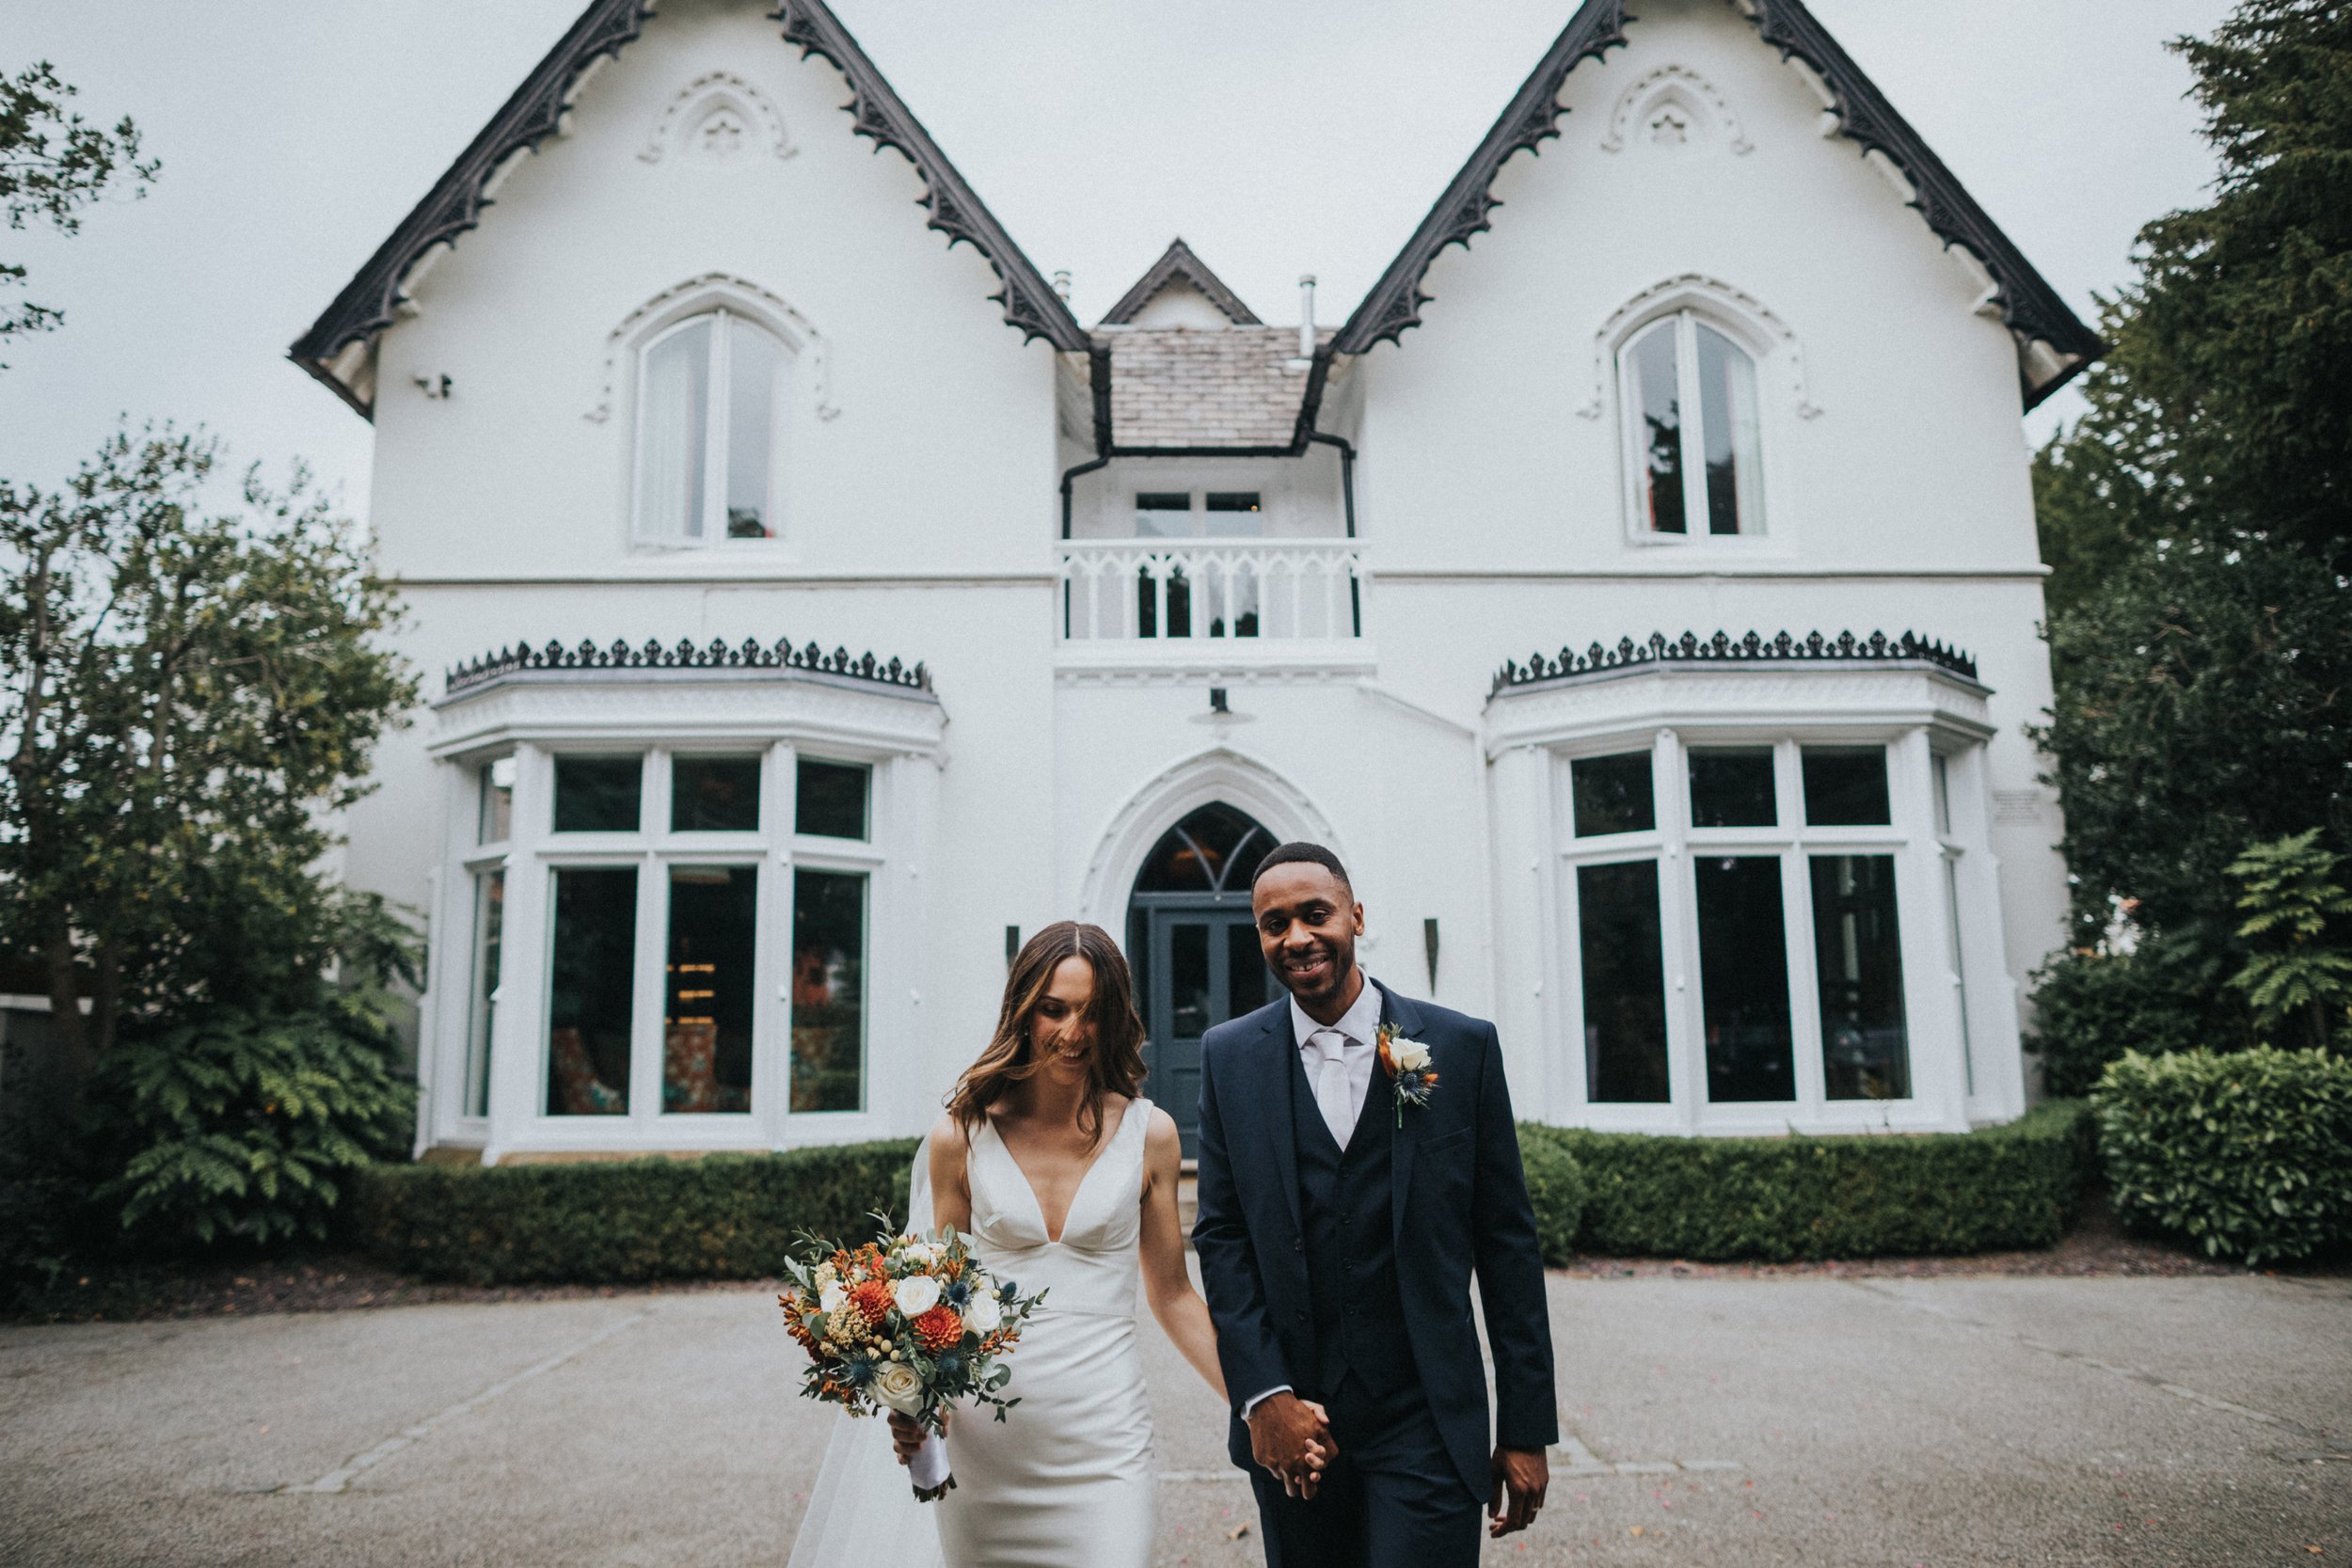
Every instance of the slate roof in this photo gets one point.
(1205, 390)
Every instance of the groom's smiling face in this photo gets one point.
(1308, 922)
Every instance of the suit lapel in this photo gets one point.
(1395, 1009)
(1271, 1062)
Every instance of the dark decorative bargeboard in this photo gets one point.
(1723, 648)
(718, 654)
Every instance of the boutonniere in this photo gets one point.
(1406, 1063)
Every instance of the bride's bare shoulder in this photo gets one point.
(1162, 1143)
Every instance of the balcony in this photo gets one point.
(1190, 593)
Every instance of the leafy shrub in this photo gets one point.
(2171, 994)
(2246, 1155)
(722, 1217)
(1806, 1198)
(1556, 1188)
(242, 1127)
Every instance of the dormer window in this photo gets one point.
(710, 397)
(1690, 398)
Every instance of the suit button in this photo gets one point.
(1298, 1244)
(1302, 1314)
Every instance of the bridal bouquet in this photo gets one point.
(907, 1322)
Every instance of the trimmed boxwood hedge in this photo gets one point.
(1555, 1186)
(721, 1217)
(2248, 1155)
(1778, 1199)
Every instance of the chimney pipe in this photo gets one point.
(1306, 315)
(1061, 286)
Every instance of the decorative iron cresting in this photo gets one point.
(2030, 307)
(750, 653)
(372, 300)
(1723, 648)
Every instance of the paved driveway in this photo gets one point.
(1734, 1421)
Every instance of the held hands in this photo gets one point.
(1521, 1476)
(906, 1437)
(1292, 1438)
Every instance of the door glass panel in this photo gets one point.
(832, 799)
(707, 1022)
(1845, 786)
(1858, 953)
(1658, 397)
(714, 795)
(1625, 986)
(1732, 787)
(597, 795)
(1613, 793)
(489, 921)
(1245, 976)
(1188, 979)
(592, 984)
(1744, 979)
(828, 990)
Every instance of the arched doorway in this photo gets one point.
(1194, 947)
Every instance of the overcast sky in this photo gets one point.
(1277, 136)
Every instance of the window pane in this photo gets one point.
(1728, 406)
(753, 360)
(496, 818)
(1153, 515)
(1245, 976)
(489, 920)
(1233, 514)
(1732, 788)
(1744, 979)
(828, 990)
(1613, 793)
(1657, 396)
(714, 795)
(1857, 950)
(673, 434)
(597, 795)
(1941, 766)
(706, 1025)
(592, 977)
(1845, 786)
(832, 799)
(1625, 983)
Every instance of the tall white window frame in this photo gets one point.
(703, 398)
(1728, 415)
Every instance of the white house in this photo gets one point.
(1608, 621)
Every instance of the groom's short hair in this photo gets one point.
(1311, 854)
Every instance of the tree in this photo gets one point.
(53, 163)
(192, 693)
(2292, 903)
(2223, 409)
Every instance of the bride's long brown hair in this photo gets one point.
(1115, 1065)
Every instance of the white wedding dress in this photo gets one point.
(1066, 1480)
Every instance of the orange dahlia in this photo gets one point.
(938, 1328)
(871, 1299)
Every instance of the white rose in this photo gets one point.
(896, 1385)
(1411, 1055)
(982, 1316)
(916, 1294)
(830, 1297)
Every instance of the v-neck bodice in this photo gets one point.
(1092, 1266)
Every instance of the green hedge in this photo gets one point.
(1805, 1197)
(2246, 1155)
(722, 1217)
(1555, 1185)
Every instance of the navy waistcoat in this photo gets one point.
(1346, 1209)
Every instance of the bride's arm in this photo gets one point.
(951, 1184)
(1174, 1302)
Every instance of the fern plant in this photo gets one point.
(243, 1126)
(2291, 896)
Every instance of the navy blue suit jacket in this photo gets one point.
(1460, 1206)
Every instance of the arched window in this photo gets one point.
(1690, 401)
(710, 399)
(1214, 850)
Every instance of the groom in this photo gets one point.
(1340, 1223)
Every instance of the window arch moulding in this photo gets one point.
(1218, 773)
(709, 292)
(1680, 87)
(1741, 316)
(718, 115)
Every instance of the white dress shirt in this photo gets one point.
(1358, 1033)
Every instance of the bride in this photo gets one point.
(1065, 1179)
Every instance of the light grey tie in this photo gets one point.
(1332, 1095)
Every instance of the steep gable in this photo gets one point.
(339, 347)
(1178, 269)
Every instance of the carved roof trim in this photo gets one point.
(1178, 262)
(1723, 648)
(719, 656)
(372, 300)
(2028, 306)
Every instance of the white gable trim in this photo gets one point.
(692, 105)
(1768, 336)
(709, 292)
(1679, 84)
